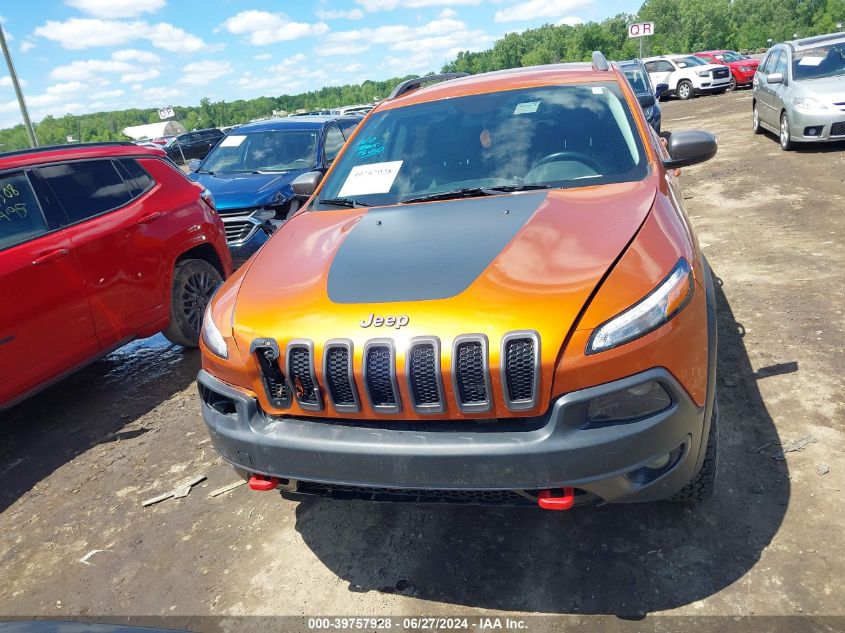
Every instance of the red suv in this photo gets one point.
(99, 244)
(742, 67)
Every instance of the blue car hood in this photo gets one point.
(234, 191)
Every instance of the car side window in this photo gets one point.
(665, 67)
(86, 188)
(334, 141)
(21, 218)
(780, 64)
(348, 127)
(771, 61)
(136, 177)
(651, 67)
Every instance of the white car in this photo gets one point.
(687, 75)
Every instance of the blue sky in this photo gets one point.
(82, 56)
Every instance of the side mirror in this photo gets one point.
(774, 78)
(306, 184)
(646, 101)
(194, 164)
(659, 89)
(690, 147)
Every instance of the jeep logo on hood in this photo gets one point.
(391, 321)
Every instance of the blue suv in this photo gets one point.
(251, 169)
(647, 94)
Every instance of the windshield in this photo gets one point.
(815, 63)
(561, 136)
(260, 151)
(730, 56)
(638, 80)
(691, 60)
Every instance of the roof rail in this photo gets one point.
(816, 39)
(600, 61)
(53, 148)
(413, 84)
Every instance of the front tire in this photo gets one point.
(732, 85)
(786, 143)
(684, 90)
(702, 485)
(755, 120)
(194, 283)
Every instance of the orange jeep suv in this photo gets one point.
(493, 296)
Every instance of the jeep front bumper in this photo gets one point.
(556, 450)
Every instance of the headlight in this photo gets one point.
(703, 73)
(746, 69)
(212, 337)
(658, 307)
(808, 103)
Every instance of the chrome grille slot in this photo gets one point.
(470, 373)
(266, 354)
(422, 367)
(520, 369)
(337, 373)
(380, 376)
(300, 370)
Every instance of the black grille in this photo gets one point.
(422, 367)
(471, 497)
(838, 129)
(379, 379)
(272, 377)
(470, 373)
(299, 366)
(520, 368)
(338, 373)
(720, 73)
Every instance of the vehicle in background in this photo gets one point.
(192, 145)
(647, 94)
(162, 140)
(493, 296)
(687, 75)
(250, 173)
(99, 244)
(742, 67)
(360, 110)
(147, 143)
(799, 91)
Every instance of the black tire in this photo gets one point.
(786, 143)
(732, 85)
(194, 282)
(755, 120)
(684, 90)
(701, 486)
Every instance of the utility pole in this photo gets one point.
(33, 142)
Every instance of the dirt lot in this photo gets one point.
(76, 462)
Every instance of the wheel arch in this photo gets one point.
(205, 252)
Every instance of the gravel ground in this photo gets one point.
(77, 461)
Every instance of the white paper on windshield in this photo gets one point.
(598, 90)
(233, 140)
(373, 178)
(529, 107)
(810, 61)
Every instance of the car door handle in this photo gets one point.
(50, 256)
(150, 217)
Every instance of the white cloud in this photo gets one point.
(288, 63)
(81, 70)
(352, 68)
(447, 13)
(108, 94)
(134, 55)
(263, 57)
(570, 20)
(533, 9)
(159, 95)
(26, 45)
(204, 72)
(334, 14)
(390, 5)
(117, 8)
(79, 33)
(263, 27)
(140, 77)
(66, 88)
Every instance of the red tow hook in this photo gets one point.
(548, 502)
(263, 483)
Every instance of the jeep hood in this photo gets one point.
(523, 261)
(236, 190)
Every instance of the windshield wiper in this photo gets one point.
(473, 192)
(343, 202)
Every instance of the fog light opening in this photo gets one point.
(813, 130)
(660, 463)
(657, 467)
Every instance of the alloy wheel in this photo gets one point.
(196, 294)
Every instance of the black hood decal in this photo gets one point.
(428, 251)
